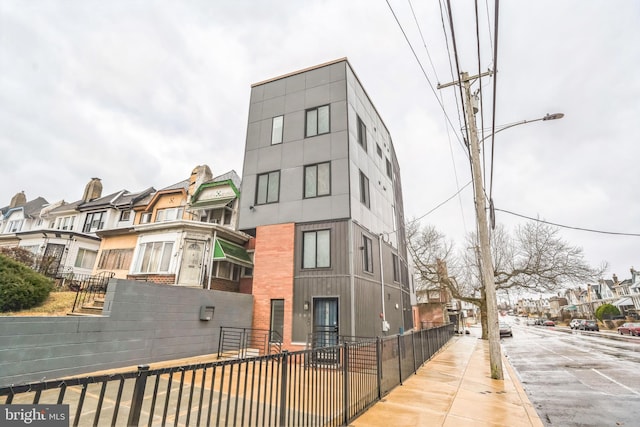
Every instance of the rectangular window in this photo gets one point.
(169, 214)
(389, 169)
(125, 215)
(316, 249)
(364, 190)
(362, 134)
(396, 268)
(268, 188)
(154, 257)
(367, 254)
(145, 218)
(277, 125)
(276, 326)
(226, 270)
(93, 222)
(14, 226)
(317, 180)
(379, 150)
(65, 223)
(317, 121)
(85, 258)
(115, 259)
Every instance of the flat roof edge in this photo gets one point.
(304, 70)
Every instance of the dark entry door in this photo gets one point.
(51, 259)
(325, 328)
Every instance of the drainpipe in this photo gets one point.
(213, 244)
(384, 313)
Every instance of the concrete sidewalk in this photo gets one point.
(455, 389)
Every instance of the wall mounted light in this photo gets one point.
(252, 208)
(306, 306)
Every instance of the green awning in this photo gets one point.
(227, 251)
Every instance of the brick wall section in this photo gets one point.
(161, 279)
(273, 275)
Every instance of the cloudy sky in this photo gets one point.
(137, 93)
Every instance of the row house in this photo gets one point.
(184, 235)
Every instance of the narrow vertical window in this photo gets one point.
(317, 180)
(396, 268)
(277, 127)
(317, 121)
(364, 190)
(276, 327)
(367, 254)
(362, 134)
(389, 169)
(268, 188)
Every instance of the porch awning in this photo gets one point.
(227, 251)
(623, 302)
(212, 204)
(569, 308)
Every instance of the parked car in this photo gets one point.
(575, 323)
(531, 322)
(548, 323)
(630, 328)
(505, 330)
(588, 325)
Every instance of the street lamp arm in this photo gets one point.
(554, 116)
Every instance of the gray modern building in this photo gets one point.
(321, 192)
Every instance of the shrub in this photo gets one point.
(607, 311)
(18, 254)
(21, 287)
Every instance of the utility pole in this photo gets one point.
(486, 263)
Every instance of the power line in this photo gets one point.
(568, 226)
(424, 43)
(446, 43)
(441, 204)
(424, 73)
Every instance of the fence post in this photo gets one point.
(379, 363)
(283, 388)
(138, 395)
(399, 359)
(345, 384)
(413, 347)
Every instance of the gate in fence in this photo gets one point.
(281, 389)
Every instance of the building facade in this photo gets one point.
(321, 193)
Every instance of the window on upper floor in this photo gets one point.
(367, 254)
(154, 257)
(362, 134)
(396, 267)
(317, 121)
(389, 169)
(316, 249)
(364, 190)
(14, 226)
(145, 218)
(317, 180)
(65, 223)
(169, 214)
(85, 258)
(125, 215)
(93, 222)
(277, 126)
(268, 188)
(379, 150)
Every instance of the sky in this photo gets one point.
(138, 93)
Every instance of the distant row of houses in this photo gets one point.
(314, 229)
(582, 302)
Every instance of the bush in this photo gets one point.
(21, 287)
(607, 311)
(18, 254)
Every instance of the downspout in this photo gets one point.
(213, 244)
(385, 328)
(352, 279)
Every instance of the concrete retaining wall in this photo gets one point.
(141, 323)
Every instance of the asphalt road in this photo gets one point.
(575, 378)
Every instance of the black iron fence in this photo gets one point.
(286, 389)
(248, 342)
(88, 287)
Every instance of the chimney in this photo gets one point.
(18, 200)
(199, 174)
(93, 190)
(615, 279)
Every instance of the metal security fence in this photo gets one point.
(300, 388)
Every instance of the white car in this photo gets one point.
(575, 323)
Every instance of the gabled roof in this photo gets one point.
(230, 178)
(30, 209)
(182, 185)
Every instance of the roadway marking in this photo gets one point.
(615, 382)
(555, 352)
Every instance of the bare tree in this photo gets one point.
(534, 258)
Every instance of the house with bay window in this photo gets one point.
(322, 195)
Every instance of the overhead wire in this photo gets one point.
(424, 73)
(439, 205)
(568, 226)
